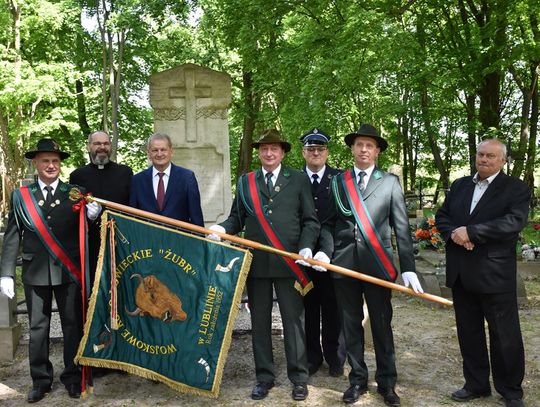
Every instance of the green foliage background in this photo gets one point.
(434, 77)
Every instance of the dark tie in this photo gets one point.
(269, 182)
(160, 191)
(361, 184)
(48, 198)
(315, 183)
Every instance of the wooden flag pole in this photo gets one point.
(259, 246)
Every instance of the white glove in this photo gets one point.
(322, 257)
(7, 286)
(306, 254)
(216, 228)
(411, 279)
(93, 209)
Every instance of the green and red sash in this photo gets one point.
(366, 226)
(303, 284)
(30, 213)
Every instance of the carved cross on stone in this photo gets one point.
(190, 93)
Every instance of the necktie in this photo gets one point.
(160, 191)
(361, 184)
(48, 198)
(315, 183)
(269, 184)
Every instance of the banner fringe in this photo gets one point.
(146, 373)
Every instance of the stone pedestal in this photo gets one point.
(10, 329)
(190, 104)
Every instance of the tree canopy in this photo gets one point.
(435, 77)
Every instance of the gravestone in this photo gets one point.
(10, 329)
(190, 104)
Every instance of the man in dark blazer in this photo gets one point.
(104, 179)
(480, 221)
(164, 188)
(43, 274)
(350, 244)
(320, 303)
(287, 206)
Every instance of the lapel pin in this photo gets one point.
(277, 189)
(41, 202)
(57, 202)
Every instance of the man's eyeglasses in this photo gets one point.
(313, 149)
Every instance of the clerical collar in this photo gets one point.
(101, 166)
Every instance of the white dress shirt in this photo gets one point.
(319, 173)
(42, 186)
(155, 178)
(275, 174)
(368, 172)
(480, 186)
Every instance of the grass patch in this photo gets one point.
(532, 288)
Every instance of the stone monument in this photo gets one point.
(10, 329)
(190, 104)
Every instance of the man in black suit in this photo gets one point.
(104, 179)
(320, 303)
(367, 204)
(275, 206)
(480, 220)
(43, 221)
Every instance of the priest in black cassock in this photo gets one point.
(104, 179)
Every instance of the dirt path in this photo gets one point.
(428, 361)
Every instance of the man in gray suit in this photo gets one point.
(367, 204)
(275, 207)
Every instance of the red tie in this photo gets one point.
(160, 191)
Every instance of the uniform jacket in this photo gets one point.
(322, 195)
(182, 197)
(493, 227)
(291, 211)
(39, 268)
(343, 242)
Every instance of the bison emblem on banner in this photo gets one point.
(163, 304)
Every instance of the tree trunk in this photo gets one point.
(470, 104)
(533, 137)
(102, 24)
(116, 79)
(489, 102)
(250, 119)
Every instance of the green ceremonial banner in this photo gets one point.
(177, 296)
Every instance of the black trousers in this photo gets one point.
(350, 295)
(291, 307)
(39, 303)
(505, 341)
(321, 309)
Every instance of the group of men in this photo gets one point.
(43, 223)
(345, 217)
